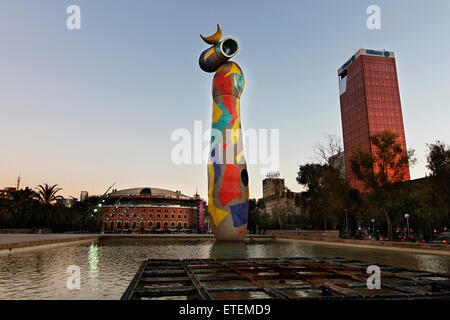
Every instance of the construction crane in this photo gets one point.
(94, 209)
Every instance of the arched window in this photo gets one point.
(112, 225)
(134, 225)
(166, 225)
(158, 225)
(146, 192)
(172, 225)
(119, 225)
(150, 225)
(185, 225)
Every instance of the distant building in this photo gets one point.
(338, 162)
(84, 195)
(278, 198)
(150, 209)
(370, 104)
(67, 202)
(273, 186)
(7, 193)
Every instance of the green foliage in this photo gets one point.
(327, 195)
(387, 199)
(381, 170)
(388, 164)
(438, 159)
(30, 209)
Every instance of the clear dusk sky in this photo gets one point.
(87, 108)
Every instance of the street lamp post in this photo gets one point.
(407, 224)
(373, 228)
(346, 219)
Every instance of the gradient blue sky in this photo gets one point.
(87, 108)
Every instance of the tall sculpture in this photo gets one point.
(227, 170)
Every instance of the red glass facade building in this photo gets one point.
(370, 103)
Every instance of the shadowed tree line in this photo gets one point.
(37, 209)
(329, 202)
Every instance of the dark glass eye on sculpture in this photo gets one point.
(227, 169)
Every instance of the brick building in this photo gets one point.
(149, 209)
(7, 193)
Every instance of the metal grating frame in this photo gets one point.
(279, 278)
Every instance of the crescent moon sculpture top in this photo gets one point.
(215, 38)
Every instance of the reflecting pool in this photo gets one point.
(107, 266)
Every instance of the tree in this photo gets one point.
(27, 209)
(310, 175)
(327, 191)
(438, 159)
(280, 213)
(47, 195)
(21, 205)
(382, 169)
(438, 162)
(255, 211)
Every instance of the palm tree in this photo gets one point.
(47, 194)
(21, 205)
(21, 199)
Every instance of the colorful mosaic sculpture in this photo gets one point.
(227, 170)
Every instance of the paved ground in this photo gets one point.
(435, 249)
(14, 238)
(10, 241)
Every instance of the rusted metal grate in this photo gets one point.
(279, 278)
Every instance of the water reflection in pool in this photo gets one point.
(108, 266)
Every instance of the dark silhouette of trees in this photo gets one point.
(381, 170)
(28, 209)
(327, 194)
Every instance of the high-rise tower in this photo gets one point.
(370, 103)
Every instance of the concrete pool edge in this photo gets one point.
(19, 241)
(390, 246)
(30, 241)
(9, 246)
